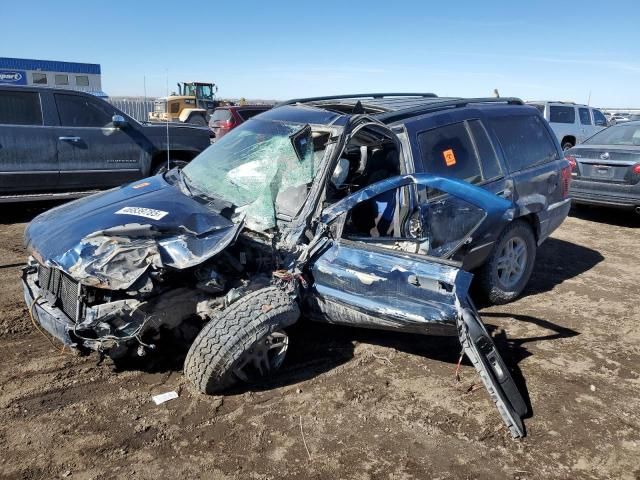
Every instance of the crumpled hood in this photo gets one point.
(110, 239)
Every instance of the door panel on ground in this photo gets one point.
(91, 152)
(28, 156)
(480, 349)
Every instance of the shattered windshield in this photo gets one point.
(250, 165)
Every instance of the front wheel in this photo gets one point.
(245, 343)
(508, 269)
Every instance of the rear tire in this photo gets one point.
(508, 269)
(566, 145)
(246, 337)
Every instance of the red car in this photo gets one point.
(227, 118)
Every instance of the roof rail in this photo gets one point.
(390, 117)
(354, 96)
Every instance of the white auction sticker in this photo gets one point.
(142, 212)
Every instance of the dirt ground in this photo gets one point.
(366, 404)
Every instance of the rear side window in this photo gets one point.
(585, 117)
(448, 151)
(81, 111)
(525, 141)
(20, 108)
(599, 119)
(248, 113)
(558, 114)
(221, 115)
(488, 158)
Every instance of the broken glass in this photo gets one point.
(250, 165)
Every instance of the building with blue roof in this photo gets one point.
(85, 77)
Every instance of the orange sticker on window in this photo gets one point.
(449, 157)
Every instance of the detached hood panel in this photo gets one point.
(109, 240)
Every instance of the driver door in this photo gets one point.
(390, 281)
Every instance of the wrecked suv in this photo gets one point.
(319, 210)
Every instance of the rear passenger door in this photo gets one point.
(586, 124)
(534, 164)
(92, 153)
(461, 150)
(28, 158)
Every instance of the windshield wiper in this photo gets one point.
(186, 181)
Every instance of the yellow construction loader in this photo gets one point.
(194, 103)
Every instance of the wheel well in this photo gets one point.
(568, 138)
(534, 222)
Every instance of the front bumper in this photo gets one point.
(605, 194)
(51, 318)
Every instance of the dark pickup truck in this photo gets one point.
(64, 144)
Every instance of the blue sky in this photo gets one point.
(282, 49)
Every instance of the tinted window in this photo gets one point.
(585, 118)
(39, 78)
(525, 141)
(448, 151)
(221, 115)
(599, 119)
(20, 108)
(80, 111)
(248, 113)
(488, 157)
(82, 80)
(559, 114)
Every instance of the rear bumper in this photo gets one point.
(605, 194)
(52, 319)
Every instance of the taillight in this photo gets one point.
(565, 180)
(572, 162)
(633, 176)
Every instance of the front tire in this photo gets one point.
(508, 269)
(245, 343)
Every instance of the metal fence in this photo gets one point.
(136, 107)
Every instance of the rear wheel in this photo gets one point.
(567, 144)
(508, 269)
(245, 343)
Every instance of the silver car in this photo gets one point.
(572, 123)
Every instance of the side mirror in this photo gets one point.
(118, 121)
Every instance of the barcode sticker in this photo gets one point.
(142, 212)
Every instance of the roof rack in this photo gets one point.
(355, 96)
(394, 116)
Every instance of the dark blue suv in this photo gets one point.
(362, 210)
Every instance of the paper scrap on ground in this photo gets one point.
(164, 397)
